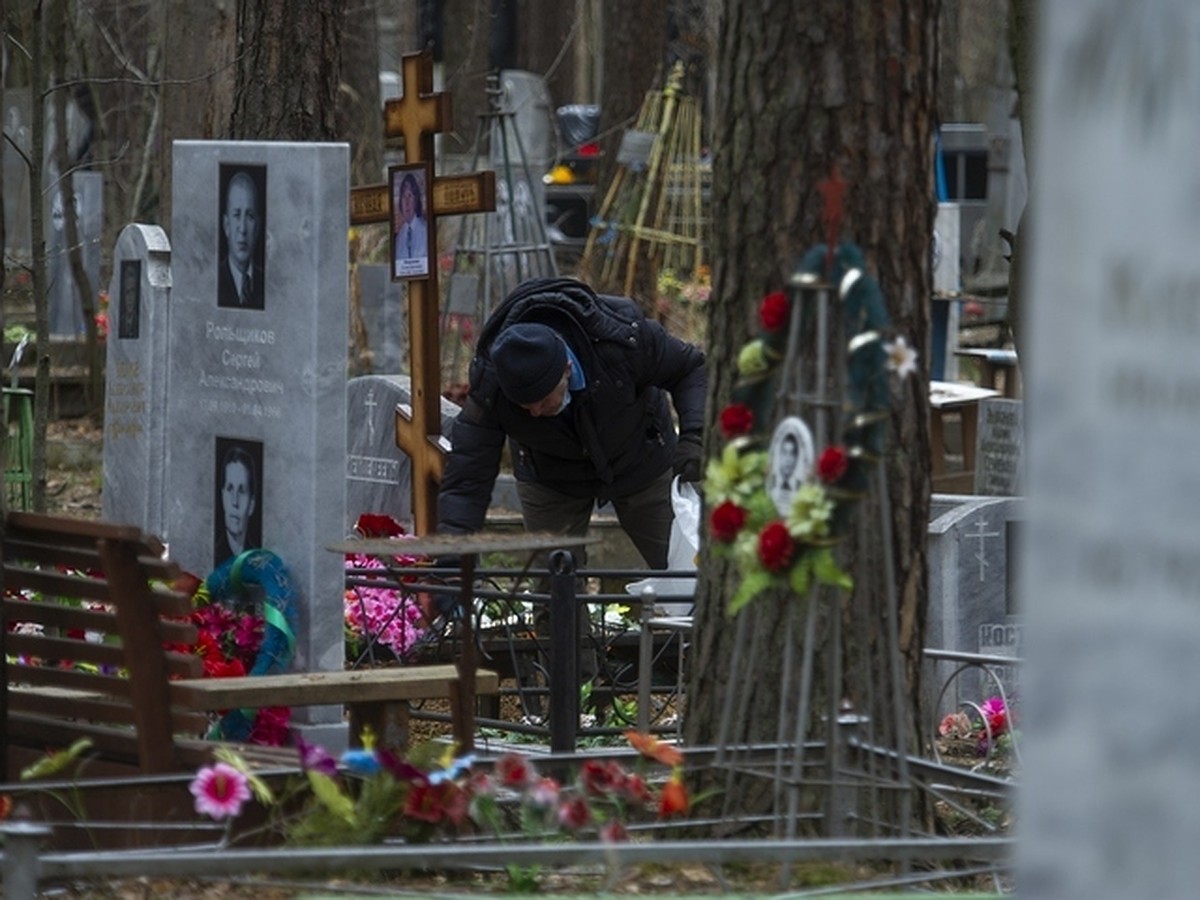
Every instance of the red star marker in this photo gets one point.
(833, 193)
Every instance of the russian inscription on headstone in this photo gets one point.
(973, 605)
(135, 402)
(1111, 759)
(378, 473)
(257, 406)
(998, 462)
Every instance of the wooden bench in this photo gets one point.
(87, 610)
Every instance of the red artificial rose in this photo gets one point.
(773, 311)
(775, 547)
(574, 814)
(726, 521)
(515, 771)
(736, 419)
(833, 464)
(377, 525)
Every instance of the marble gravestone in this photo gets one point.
(378, 473)
(998, 449)
(1107, 803)
(972, 549)
(136, 379)
(257, 407)
(65, 296)
(382, 304)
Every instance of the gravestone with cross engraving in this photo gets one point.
(256, 412)
(416, 117)
(135, 395)
(973, 591)
(1111, 751)
(379, 473)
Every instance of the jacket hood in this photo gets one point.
(569, 306)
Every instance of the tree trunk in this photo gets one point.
(37, 237)
(198, 72)
(288, 70)
(1022, 34)
(467, 35)
(808, 85)
(360, 110)
(64, 171)
(548, 37)
(634, 42)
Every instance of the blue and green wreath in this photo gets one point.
(792, 549)
(247, 611)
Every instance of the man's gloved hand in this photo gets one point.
(689, 457)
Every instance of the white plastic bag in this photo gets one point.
(681, 552)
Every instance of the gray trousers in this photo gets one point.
(645, 516)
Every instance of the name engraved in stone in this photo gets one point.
(373, 468)
(238, 334)
(1138, 300)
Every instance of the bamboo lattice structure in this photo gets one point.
(653, 214)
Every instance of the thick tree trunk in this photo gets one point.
(288, 70)
(359, 108)
(807, 85)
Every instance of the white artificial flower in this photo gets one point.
(902, 359)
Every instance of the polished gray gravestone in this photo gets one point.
(999, 447)
(972, 549)
(1107, 806)
(135, 396)
(379, 473)
(263, 390)
(382, 303)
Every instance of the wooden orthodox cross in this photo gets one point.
(417, 116)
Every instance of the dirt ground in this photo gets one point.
(74, 463)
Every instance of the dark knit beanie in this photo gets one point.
(530, 360)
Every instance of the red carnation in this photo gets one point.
(775, 547)
(736, 419)
(726, 521)
(833, 464)
(773, 311)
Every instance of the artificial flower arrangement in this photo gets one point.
(371, 795)
(246, 612)
(380, 615)
(985, 729)
(792, 549)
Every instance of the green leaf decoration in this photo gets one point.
(752, 585)
(56, 762)
(261, 789)
(827, 571)
(802, 573)
(325, 789)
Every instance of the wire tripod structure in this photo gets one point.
(497, 250)
(838, 766)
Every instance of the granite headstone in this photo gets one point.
(973, 588)
(379, 473)
(999, 442)
(1111, 754)
(257, 405)
(137, 370)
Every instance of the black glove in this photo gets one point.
(689, 457)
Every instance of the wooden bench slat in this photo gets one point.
(54, 584)
(44, 647)
(94, 708)
(62, 528)
(71, 679)
(85, 559)
(58, 615)
(422, 682)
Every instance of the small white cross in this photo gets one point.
(370, 404)
(982, 536)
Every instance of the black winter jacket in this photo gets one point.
(615, 437)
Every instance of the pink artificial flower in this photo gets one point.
(315, 758)
(543, 793)
(996, 714)
(220, 791)
(614, 832)
(574, 814)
